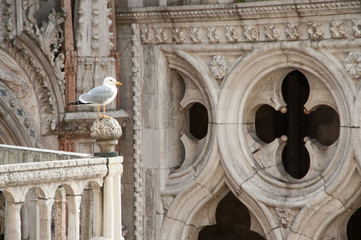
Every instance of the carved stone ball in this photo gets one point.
(105, 129)
(106, 132)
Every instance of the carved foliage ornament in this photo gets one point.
(338, 29)
(49, 38)
(252, 33)
(352, 64)
(315, 30)
(271, 33)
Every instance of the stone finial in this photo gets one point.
(106, 132)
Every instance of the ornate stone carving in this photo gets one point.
(315, 30)
(14, 106)
(8, 19)
(338, 29)
(271, 33)
(292, 31)
(13, 76)
(93, 21)
(195, 35)
(146, 35)
(137, 136)
(352, 64)
(285, 216)
(232, 34)
(218, 67)
(49, 38)
(356, 27)
(167, 201)
(178, 35)
(161, 35)
(250, 33)
(95, 45)
(213, 35)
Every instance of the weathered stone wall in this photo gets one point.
(231, 59)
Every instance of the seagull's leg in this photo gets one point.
(105, 116)
(99, 112)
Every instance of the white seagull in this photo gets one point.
(99, 96)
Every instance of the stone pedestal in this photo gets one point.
(106, 132)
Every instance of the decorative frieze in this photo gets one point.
(235, 33)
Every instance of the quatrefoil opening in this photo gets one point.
(296, 125)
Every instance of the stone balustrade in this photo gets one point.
(62, 199)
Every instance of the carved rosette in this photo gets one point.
(146, 35)
(232, 34)
(178, 35)
(195, 35)
(271, 33)
(338, 29)
(292, 31)
(250, 33)
(315, 30)
(220, 34)
(161, 35)
(352, 64)
(356, 27)
(218, 67)
(213, 35)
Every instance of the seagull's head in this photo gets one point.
(110, 81)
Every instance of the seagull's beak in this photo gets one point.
(119, 83)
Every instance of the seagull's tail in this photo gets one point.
(77, 103)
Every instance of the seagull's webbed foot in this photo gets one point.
(103, 116)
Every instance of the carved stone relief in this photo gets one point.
(92, 36)
(288, 45)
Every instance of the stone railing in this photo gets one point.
(76, 198)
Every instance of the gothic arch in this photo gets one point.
(37, 50)
(265, 183)
(16, 124)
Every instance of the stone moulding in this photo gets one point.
(238, 11)
(234, 32)
(14, 175)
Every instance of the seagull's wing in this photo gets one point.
(98, 95)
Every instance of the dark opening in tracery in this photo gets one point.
(321, 124)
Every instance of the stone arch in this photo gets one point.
(37, 52)
(263, 182)
(201, 89)
(195, 207)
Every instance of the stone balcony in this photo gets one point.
(59, 195)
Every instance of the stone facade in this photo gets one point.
(247, 105)
(209, 84)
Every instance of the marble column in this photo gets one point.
(13, 221)
(45, 207)
(73, 217)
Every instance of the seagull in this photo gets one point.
(99, 96)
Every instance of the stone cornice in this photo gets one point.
(252, 10)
